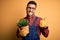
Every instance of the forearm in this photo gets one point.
(17, 33)
(45, 31)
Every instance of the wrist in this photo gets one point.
(45, 27)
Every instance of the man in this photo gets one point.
(35, 29)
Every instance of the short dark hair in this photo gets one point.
(32, 2)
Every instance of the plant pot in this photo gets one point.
(24, 31)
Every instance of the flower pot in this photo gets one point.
(24, 31)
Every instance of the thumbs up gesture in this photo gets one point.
(43, 23)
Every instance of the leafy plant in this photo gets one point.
(22, 23)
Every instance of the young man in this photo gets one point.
(35, 29)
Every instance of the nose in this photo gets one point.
(30, 10)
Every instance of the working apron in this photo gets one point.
(33, 32)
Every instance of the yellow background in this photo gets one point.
(12, 10)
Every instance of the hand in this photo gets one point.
(43, 23)
(24, 31)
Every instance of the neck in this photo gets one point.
(30, 16)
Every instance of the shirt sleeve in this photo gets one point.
(17, 33)
(45, 31)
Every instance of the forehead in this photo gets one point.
(31, 5)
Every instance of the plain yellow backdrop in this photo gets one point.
(13, 10)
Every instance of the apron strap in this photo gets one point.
(35, 20)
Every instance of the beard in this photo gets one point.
(30, 14)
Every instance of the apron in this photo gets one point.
(33, 32)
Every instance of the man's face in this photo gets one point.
(30, 9)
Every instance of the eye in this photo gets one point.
(31, 8)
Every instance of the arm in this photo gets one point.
(44, 27)
(45, 31)
(17, 33)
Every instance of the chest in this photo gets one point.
(33, 21)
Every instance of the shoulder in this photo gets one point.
(39, 18)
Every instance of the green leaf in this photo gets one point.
(22, 23)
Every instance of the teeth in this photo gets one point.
(30, 13)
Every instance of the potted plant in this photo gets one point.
(23, 25)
